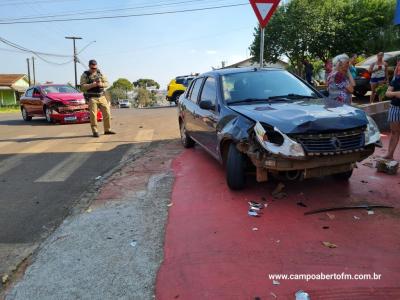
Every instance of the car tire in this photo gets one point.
(175, 97)
(343, 176)
(186, 140)
(47, 113)
(25, 115)
(235, 168)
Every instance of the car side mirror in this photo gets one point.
(207, 105)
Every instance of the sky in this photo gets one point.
(159, 47)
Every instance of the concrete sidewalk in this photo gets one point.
(112, 250)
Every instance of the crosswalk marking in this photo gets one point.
(4, 144)
(144, 135)
(15, 160)
(63, 170)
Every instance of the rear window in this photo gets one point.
(184, 80)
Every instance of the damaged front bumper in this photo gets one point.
(305, 156)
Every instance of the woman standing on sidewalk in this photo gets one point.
(394, 112)
(340, 81)
(379, 75)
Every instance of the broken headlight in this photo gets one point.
(372, 133)
(277, 142)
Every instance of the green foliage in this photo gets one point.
(123, 84)
(9, 108)
(323, 29)
(381, 90)
(117, 93)
(146, 83)
(144, 98)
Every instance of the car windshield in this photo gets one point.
(59, 89)
(263, 85)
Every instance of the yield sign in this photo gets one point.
(264, 10)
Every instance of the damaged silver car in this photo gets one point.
(271, 123)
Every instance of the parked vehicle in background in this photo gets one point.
(270, 122)
(58, 103)
(363, 76)
(124, 103)
(177, 87)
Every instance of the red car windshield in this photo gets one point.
(59, 89)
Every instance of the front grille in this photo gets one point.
(333, 143)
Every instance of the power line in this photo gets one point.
(38, 54)
(125, 16)
(91, 11)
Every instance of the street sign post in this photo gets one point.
(264, 9)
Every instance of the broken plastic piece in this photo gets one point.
(253, 213)
(273, 295)
(371, 212)
(302, 295)
(329, 245)
(256, 204)
(255, 229)
(170, 204)
(330, 216)
(98, 177)
(357, 218)
(133, 243)
(364, 206)
(4, 279)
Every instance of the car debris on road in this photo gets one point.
(329, 245)
(387, 166)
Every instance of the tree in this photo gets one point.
(144, 98)
(323, 29)
(146, 83)
(122, 83)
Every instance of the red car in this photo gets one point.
(58, 103)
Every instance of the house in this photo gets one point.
(12, 86)
(250, 63)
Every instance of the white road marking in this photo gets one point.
(144, 135)
(15, 160)
(4, 144)
(63, 170)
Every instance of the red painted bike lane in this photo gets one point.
(212, 250)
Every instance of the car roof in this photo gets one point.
(227, 71)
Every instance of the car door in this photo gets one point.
(37, 102)
(26, 101)
(207, 118)
(191, 109)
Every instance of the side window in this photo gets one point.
(189, 90)
(36, 93)
(195, 90)
(209, 91)
(29, 93)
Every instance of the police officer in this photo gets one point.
(93, 83)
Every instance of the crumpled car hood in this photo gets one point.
(305, 116)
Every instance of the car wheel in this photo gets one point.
(175, 98)
(186, 140)
(25, 115)
(343, 176)
(235, 168)
(48, 113)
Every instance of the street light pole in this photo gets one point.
(73, 38)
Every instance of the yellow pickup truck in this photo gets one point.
(177, 87)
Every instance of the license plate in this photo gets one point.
(69, 118)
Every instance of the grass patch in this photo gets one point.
(9, 108)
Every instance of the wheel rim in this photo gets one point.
(183, 134)
(48, 113)
(24, 114)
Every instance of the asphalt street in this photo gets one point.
(45, 170)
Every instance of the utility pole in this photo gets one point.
(73, 38)
(29, 71)
(33, 70)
